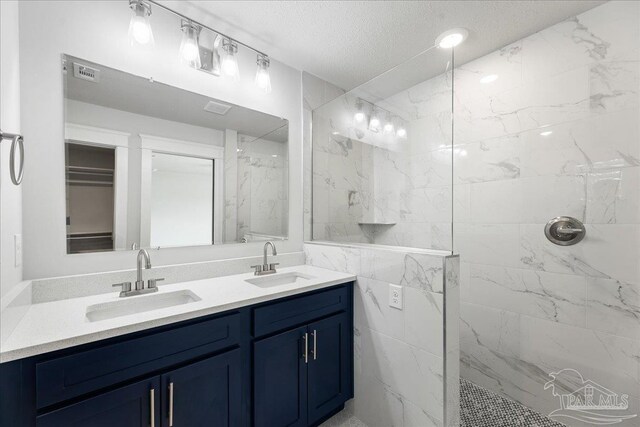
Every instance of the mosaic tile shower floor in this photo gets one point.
(478, 408)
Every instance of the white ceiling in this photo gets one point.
(350, 42)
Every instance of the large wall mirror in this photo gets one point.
(151, 165)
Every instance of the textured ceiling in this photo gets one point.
(350, 42)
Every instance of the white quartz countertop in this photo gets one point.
(55, 325)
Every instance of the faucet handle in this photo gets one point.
(258, 269)
(126, 287)
(153, 282)
(272, 266)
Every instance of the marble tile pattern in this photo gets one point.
(315, 92)
(263, 194)
(370, 187)
(557, 133)
(405, 360)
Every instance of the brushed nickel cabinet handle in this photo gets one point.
(315, 344)
(171, 404)
(152, 406)
(305, 338)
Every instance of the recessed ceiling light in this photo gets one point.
(452, 38)
(489, 79)
(546, 133)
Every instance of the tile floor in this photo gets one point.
(478, 408)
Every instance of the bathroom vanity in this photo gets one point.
(266, 353)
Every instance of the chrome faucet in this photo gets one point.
(140, 289)
(266, 268)
(142, 253)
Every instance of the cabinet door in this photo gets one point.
(280, 380)
(136, 405)
(329, 369)
(206, 393)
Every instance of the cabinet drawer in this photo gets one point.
(298, 310)
(71, 376)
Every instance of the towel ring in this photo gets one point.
(16, 142)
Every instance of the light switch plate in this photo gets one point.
(395, 296)
(17, 249)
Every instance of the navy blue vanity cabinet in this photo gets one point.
(304, 374)
(285, 362)
(280, 379)
(205, 393)
(135, 405)
(329, 372)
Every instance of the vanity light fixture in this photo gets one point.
(263, 80)
(359, 116)
(374, 120)
(199, 57)
(229, 61)
(139, 27)
(452, 38)
(189, 48)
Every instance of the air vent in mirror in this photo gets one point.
(86, 73)
(217, 108)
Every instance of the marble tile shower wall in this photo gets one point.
(372, 188)
(315, 92)
(557, 133)
(262, 195)
(402, 376)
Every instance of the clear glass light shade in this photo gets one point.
(263, 80)
(359, 116)
(189, 48)
(229, 62)
(140, 27)
(401, 131)
(388, 127)
(374, 121)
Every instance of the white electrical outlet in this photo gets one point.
(17, 249)
(395, 296)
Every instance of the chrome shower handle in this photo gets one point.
(562, 230)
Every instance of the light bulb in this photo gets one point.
(374, 121)
(139, 27)
(229, 63)
(401, 132)
(189, 48)
(359, 115)
(452, 38)
(388, 125)
(263, 80)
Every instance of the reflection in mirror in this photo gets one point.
(89, 180)
(181, 200)
(151, 165)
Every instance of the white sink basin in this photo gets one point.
(139, 304)
(280, 279)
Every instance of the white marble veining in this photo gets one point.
(400, 359)
(555, 133)
(369, 187)
(67, 324)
